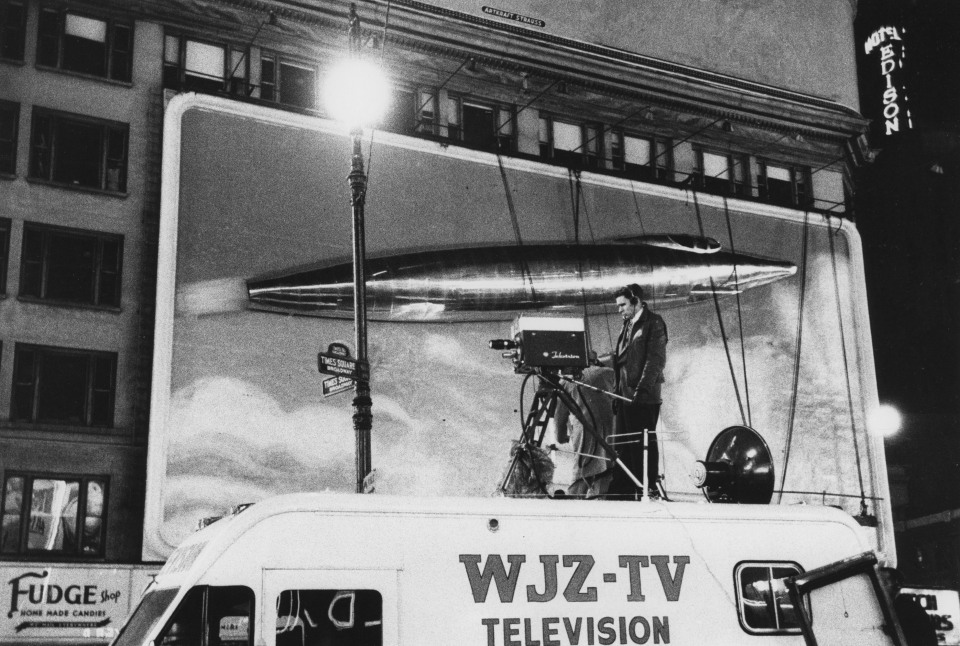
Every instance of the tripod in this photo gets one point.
(542, 410)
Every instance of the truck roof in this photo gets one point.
(222, 533)
(343, 503)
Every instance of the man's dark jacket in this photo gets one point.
(639, 365)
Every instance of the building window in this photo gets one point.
(570, 144)
(268, 78)
(204, 65)
(74, 150)
(71, 266)
(287, 82)
(239, 72)
(642, 158)
(13, 27)
(763, 603)
(9, 122)
(425, 114)
(784, 185)
(63, 386)
(414, 112)
(722, 173)
(338, 617)
(480, 125)
(4, 253)
(192, 65)
(55, 515)
(78, 43)
(400, 115)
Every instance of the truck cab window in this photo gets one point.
(143, 620)
(184, 628)
(330, 618)
(763, 603)
(228, 620)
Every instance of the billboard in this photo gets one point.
(238, 410)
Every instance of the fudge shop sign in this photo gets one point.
(49, 602)
(565, 599)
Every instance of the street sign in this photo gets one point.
(336, 361)
(339, 349)
(334, 385)
(332, 364)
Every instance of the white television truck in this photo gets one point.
(338, 569)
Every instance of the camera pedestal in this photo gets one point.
(542, 410)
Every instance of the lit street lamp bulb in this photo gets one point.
(885, 421)
(357, 93)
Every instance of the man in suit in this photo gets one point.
(638, 362)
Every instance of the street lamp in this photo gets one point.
(885, 421)
(357, 95)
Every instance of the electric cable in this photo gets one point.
(797, 354)
(525, 272)
(271, 17)
(636, 209)
(736, 279)
(523, 386)
(575, 195)
(716, 304)
(431, 96)
(578, 199)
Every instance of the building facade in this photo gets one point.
(910, 192)
(668, 120)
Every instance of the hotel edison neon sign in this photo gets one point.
(888, 44)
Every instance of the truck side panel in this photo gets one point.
(511, 579)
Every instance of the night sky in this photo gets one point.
(907, 209)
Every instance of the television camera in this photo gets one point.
(554, 349)
(554, 344)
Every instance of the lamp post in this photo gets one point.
(362, 404)
(357, 95)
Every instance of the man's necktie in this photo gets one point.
(624, 336)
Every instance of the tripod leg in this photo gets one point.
(549, 409)
(513, 463)
(541, 411)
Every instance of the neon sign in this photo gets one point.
(888, 42)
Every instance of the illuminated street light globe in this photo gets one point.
(885, 421)
(357, 93)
